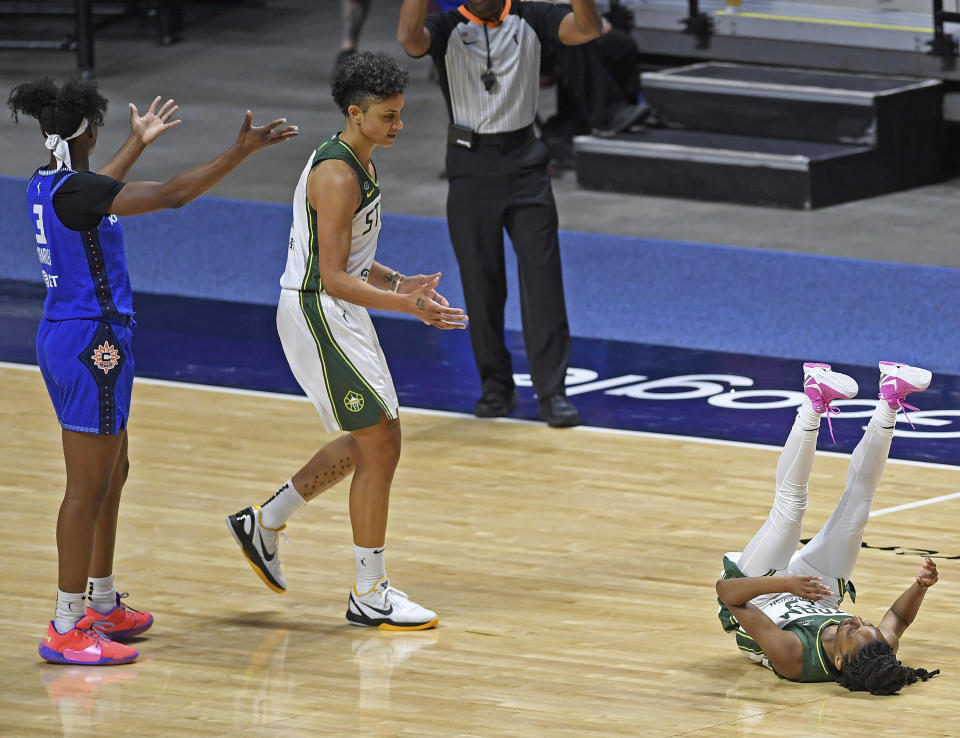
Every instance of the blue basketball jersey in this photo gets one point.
(85, 271)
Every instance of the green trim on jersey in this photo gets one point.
(334, 148)
(368, 185)
(356, 405)
(816, 665)
(732, 571)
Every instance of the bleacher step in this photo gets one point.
(804, 104)
(730, 168)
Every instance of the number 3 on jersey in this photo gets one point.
(41, 236)
(373, 219)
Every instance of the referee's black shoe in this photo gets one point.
(558, 411)
(496, 405)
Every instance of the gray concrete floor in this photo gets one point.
(275, 56)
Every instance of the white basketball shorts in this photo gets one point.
(333, 352)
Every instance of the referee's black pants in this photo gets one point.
(503, 183)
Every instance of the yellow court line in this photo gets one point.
(823, 21)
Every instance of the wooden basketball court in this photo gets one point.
(573, 572)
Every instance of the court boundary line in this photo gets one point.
(520, 421)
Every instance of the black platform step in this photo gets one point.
(797, 138)
(799, 104)
(731, 168)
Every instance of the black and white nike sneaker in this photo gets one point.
(259, 546)
(387, 608)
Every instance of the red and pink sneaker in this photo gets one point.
(83, 646)
(120, 624)
(897, 380)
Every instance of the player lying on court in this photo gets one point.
(332, 348)
(85, 337)
(783, 604)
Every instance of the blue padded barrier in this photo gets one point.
(698, 296)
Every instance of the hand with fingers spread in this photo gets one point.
(809, 588)
(253, 138)
(150, 125)
(425, 305)
(928, 574)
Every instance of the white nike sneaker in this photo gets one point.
(259, 545)
(387, 608)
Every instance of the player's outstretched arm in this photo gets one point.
(903, 612)
(144, 130)
(145, 197)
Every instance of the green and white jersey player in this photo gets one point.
(331, 278)
(783, 604)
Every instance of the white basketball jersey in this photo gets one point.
(302, 271)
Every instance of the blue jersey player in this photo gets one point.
(84, 337)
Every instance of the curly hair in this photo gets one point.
(59, 110)
(875, 669)
(367, 77)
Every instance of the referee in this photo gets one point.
(487, 53)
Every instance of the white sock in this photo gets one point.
(275, 512)
(70, 609)
(101, 594)
(371, 567)
(809, 418)
(884, 418)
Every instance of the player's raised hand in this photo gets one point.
(928, 574)
(430, 311)
(253, 138)
(150, 125)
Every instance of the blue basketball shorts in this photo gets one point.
(88, 368)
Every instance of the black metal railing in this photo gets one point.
(698, 24)
(943, 44)
(88, 18)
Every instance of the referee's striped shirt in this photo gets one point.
(459, 45)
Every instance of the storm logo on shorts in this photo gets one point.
(105, 357)
(353, 401)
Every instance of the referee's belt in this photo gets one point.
(508, 140)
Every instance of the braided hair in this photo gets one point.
(367, 77)
(875, 669)
(59, 110)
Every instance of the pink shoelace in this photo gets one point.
(828, 411)
(901, 405)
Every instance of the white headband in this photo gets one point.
(59, 147)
